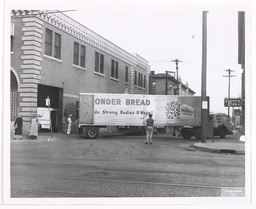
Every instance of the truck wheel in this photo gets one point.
(187, 133)
(143, 131)
(198, 134)
(92, 132)
(223, 132)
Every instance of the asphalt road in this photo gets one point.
(122, 166)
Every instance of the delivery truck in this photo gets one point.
(99, 111)
(47, 118)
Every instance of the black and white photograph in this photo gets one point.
(127, 103)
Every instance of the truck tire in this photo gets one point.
(223, 131)
(198, 134)
(187, 133)
(92, 132)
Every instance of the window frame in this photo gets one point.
(57, 46)
(96, 61)
(135, 78)
(114, 69)
(48, 42)
(126, 74)
(52, 46)
(101, 64)
(82, 56)
(76, 53)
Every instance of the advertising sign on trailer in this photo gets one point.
(133, 109)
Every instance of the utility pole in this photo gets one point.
(166, 80)
(229, 76)
(177, 72)
(204, 108)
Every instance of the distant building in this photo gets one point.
(53, 55)
(165, 84)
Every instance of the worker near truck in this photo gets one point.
(69, 121)
(149, 129)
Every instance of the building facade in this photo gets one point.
(165, 84)
(53, 56)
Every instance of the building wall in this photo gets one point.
(158, 86)
(34, 67)
(26, 61)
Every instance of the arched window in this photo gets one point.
(14, 96)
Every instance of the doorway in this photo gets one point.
(56, 104)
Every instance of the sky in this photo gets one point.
(162, 33)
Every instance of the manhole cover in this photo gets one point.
(227, 151)
(96, 174)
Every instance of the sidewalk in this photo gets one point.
(223, 145)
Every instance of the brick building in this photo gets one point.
(165, 84)
(54, 56)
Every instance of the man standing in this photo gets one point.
(69, 120)
(149, 129)
(33, 127)
(18, 127)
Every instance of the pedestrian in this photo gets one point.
(33, 127)
(149, 129)
(69, 121)
(176, 128)
(18, 127)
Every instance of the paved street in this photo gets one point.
(122, 166)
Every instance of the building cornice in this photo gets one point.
(67, 24)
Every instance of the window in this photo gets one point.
(138, 79)
(126, 74)
(48, 42)
(82, 56)
(76, 54)
(102, 63)
(12, 36)
(114, 69)
(57, 44)
(52, 48)
(141, 80)
(135, 78)
(11, 43)
(99, 63)
(96, 62)
(79, 55)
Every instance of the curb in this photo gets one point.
(222, 148)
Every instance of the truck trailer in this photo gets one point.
(98, 111)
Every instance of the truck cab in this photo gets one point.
(221, 124)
